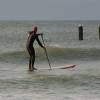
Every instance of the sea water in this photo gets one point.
(63, 47)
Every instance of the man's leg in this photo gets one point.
(33, 60)
(30, 63)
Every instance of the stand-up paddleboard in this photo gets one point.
(67, 66)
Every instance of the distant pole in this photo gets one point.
(99, 32)
(80, 28)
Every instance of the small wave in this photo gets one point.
(54, 53)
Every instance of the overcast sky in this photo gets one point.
(49, 9)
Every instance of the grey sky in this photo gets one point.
(50, 9)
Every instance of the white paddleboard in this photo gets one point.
(67, 66)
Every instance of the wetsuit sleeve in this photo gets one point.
(39, 42)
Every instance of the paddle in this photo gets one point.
(46, 52)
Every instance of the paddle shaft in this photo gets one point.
(46, 52)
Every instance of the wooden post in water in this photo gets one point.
(80, 28)
(99, 32)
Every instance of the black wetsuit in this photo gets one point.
(30, 47)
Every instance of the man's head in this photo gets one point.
(34, 29)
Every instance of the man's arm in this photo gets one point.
(39, 42)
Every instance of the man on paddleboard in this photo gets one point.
(32, 36)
